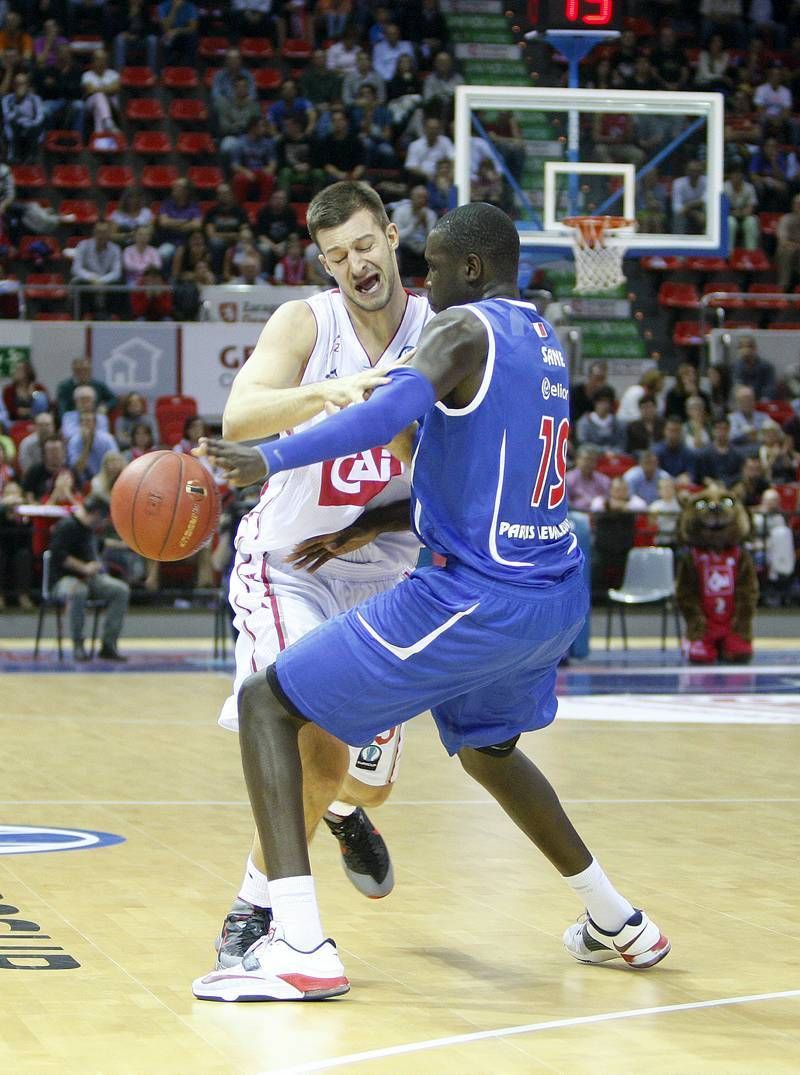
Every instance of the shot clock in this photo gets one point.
(591, 15)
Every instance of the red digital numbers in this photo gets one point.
(589, 12)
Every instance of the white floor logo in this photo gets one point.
(34, 839)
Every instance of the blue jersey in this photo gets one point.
(488, 480)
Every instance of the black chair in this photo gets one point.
(51, 601)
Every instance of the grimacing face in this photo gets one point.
(360, 256)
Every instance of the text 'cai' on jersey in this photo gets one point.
(489, 479)
(327, 497)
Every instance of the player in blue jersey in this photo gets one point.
(477, 642)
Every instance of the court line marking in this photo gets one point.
(528, 1028)
(392, 802)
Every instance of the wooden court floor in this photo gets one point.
(461, 969)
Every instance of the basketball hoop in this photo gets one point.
(598, 264)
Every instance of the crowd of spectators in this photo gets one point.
(374, 101)
(81, 438)
(633, 474)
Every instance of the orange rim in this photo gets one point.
(592, 228)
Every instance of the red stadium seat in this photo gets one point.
(205, 176)
(145, 110)
(84, 211)
(52, 315)
(255, 48)
(296, 50)
(677, 296)
(63, 143)
(152, 143)
(180, 79)
(196, 144)
(301, 209)
(188, 111)
(171, 412)
(785, 326)
(159, 176)
(71, 177)
(213, 48)
(687, 334)
(615, 465)
(768, 222)
(108, 143)
(209, 75)
(789, 497)
(749, 261)
(36, 286)
(29, 176)
(778, 409)
(729, 287)
(768, 289)
(115, 177)
(137, 78)
(18, 431)
(253, 209)
(268, 80)
(31, 247)
(706, 264)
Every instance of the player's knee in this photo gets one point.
(478, 761)
(366, 795)
(473, 762)
(256, 702)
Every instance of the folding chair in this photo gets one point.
(649, 580)
(50, 600)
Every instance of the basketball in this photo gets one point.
(165, 505)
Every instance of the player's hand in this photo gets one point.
(310, 555)
(92, 568)
(241, 465)
(343, 391)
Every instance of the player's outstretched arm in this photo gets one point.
(449, 364)
(266, 396)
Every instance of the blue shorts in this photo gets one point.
(481, 656)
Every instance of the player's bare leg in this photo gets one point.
(324, 763)
(613, 928)
(294, 961)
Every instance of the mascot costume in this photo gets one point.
(716, 584)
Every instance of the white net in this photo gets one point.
(598, 264)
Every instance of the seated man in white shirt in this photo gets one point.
(85, 403)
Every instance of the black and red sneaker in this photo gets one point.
(365, 856)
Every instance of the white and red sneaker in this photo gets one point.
(273, 970)
(640, 942)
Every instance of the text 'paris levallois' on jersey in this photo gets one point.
(488, 480)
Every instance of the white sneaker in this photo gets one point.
(273, 970)
(640, 942)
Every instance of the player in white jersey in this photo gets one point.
(325, 537)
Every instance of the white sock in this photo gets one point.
(255, 886)
(339, 809)
(294, 906)
(607, 909)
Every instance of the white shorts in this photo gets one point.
(274, 606)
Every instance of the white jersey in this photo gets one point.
(326, 497)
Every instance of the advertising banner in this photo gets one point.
(212, 355)
(238, 302)
(135, 356)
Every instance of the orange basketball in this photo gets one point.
(165, 505)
